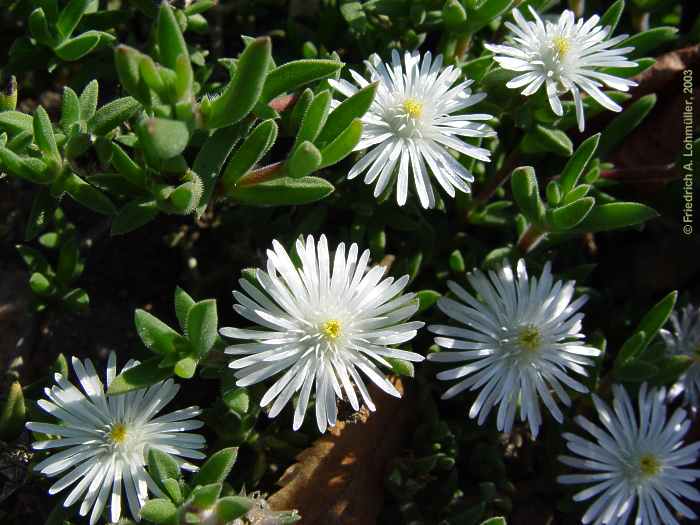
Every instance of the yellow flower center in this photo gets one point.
(649, 465)
(118, 433)
(413, 108)
(529, 338)
(562, 45)
(331, 329)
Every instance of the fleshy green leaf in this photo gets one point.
(183, 305)
(283, 191)
(113, 114)
(16, 122)
(88, 195)
(67, 266)
(13, 413)
(647, 329)
(480, 16)
(636, 372)
(253, 149)
(171, 42)
(217, 467)
(293, 75)
(127, 61)
(577, 163)
(70, 16)
(159, 510)
(185, 367)
(347, 111)
(44, 136)
(401, 367)
(164, 138)
(134, 215)
(624, 123)
(76, 48)
(526, 193)
(211, 158)
(304, 160)
(205, 496)
(245, 88)
(427, 299)
(547, 140)
(630, 348)
(127, 167)
(314, 118)
(202, 322)
(230, 508)
(88, 100)
(342, 145)
(155, 334)
(143, 375)
(162, 466)
(568, 216)
(650, 40)
(611, 17)
(70, 109)
(616, 215)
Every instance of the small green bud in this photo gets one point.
(8, 95)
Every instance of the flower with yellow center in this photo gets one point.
(515, 344)
(562, 45)
(529, 338)
(107, 438)
(118, 433)
(413, 108)
(413, 125)
(649, 465)
(683, 338)
(634, 466)
(326, 326)
(565, 56)
(331, 329)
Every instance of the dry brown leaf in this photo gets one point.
(339, 479)
(647, 155)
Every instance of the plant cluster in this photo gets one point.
(488, 134)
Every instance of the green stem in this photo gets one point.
(493, 184)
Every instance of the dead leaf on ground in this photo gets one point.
(339, 480)
(647, 155)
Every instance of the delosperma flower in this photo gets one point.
(321, 326)
(685, 340)
(564, 57)
(636, 464)
(107, 438)
(519, 341)
(415, 117)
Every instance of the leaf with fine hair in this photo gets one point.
(293, 75)
(243, 91)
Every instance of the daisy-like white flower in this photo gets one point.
(412, 122)
(519, 341)
(685, 340)
(106, 439)
(635, 459)
(322, 324)
(564, 57)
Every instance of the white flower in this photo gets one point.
(412, 121)
(108, 438)
(322, 326)
(519, 341)
(685, 340)
(564, 57)
(636, 459)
